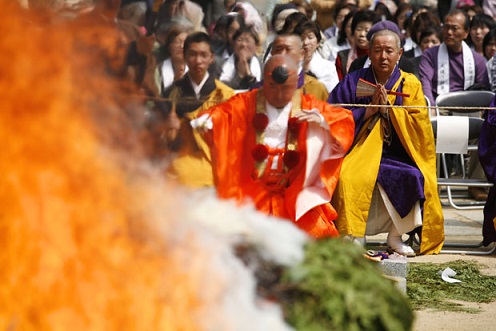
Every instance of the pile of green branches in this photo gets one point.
(337, 288)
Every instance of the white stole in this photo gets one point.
(443, 75)
(492, 74)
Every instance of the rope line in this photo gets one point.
(191, 99)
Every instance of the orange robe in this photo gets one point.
(305, 200)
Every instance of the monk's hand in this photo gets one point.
(202, 124)
(310, 116)
(172, 126)
(378, 98)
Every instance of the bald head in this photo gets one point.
(280, 80)
(281, 61)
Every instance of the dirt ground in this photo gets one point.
(454, 321)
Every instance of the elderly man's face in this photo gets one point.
(384, 54)
(279, 95)
(454, 31)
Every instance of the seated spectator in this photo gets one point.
(394, 153)
(341, 9)
(383, 12)
(242, 69)
(280, 13)
(344, 39)
(489, 44)
(429, 38)
(314, 64)
(360, 26)
(452, 66)
(480, 25)
(219, 35)
(252, 19)
(174, 66)
(421, 21)
(224, 29)
(404, 11)
(490, 51)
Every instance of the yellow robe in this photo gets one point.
(354, 193)
(312, 86)
(191, 166)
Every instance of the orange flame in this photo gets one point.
(79, 250)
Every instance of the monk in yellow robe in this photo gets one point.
(195, 91)
(388, 182)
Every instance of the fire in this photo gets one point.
(92, 237)
(79, 249)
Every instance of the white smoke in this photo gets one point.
(203, 234)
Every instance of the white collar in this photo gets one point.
(275, 133)
(197, 88)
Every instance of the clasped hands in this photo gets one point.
(378, 98)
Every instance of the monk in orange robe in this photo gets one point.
(280, 149)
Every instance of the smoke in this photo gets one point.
(93, 237)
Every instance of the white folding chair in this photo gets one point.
(461, 103)
(452, 143)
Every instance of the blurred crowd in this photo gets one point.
(332, 31)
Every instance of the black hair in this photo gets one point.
(480, 20)
(364, 15)
(197, 37)
(235, 17)
(342, 33)
(422, 22)
(340, 5)
(278, 9)
(491, 35)
(430, 31)
(383, 11)
(293, 20)
(403, 7)
(308, 26)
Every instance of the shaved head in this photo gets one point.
(281, 60)
(280, 80)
